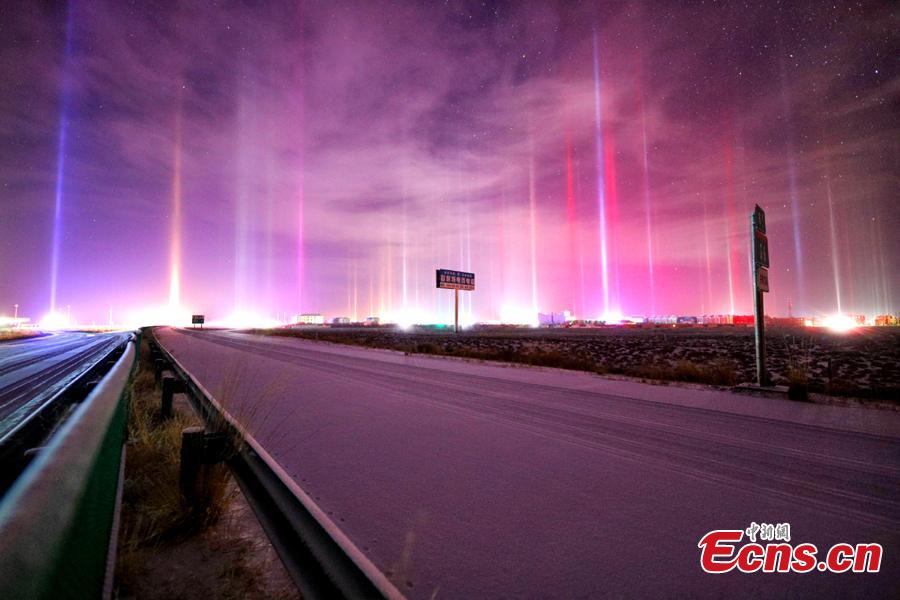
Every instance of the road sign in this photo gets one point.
(759, 219)
(198, 319)
(762, 279)
(455, 280)
(761, 248)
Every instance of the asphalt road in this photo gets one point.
(469, 480)
(34, 370)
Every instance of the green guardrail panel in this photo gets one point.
(55, 522)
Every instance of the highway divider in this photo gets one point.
(321, 560)
(58, 523)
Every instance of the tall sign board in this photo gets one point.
(759, 248)
(198, 320)
(455, 280)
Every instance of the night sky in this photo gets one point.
(283, 157)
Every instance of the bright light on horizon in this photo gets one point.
(612, 317)
(54, 321)
(518, 315)
(839, 323)
(405, 319)
(246, 319)
(159, 315)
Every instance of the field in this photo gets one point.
(863, 363)
(17, 334)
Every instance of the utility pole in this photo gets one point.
(16, 315)
(759, 247)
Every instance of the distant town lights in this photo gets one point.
(54, 321)
(405, 319)
(612, 317)
(518, 315)
(243, 319)
(160, 315)
(839, 323)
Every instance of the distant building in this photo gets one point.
(309, 319)
(785, 321)
(340, 321)
(886, 320)
(371, 321)
(717, 319)
(662, 319)
(555, 319)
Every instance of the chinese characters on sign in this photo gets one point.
(455, 280)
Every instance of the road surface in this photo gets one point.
(34, 370)
(469, 480)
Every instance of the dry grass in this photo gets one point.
(154, 512)
(716, 372)
(799, 359)
(170, 549)
(863, 364)
(17, 334)
(719, 372)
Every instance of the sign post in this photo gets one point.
(456, 310)
(760, 251)
(455, 280)
(198, 320)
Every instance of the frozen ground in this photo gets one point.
(864, 362)
(478, 480)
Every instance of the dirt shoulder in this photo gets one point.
(168, 549)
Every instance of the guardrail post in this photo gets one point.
(159, 365)
(318, 558)
(191, 461)
(200, 452)
(170, 387)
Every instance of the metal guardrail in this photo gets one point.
(57, 522)
(321, 560)
(28, 430)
